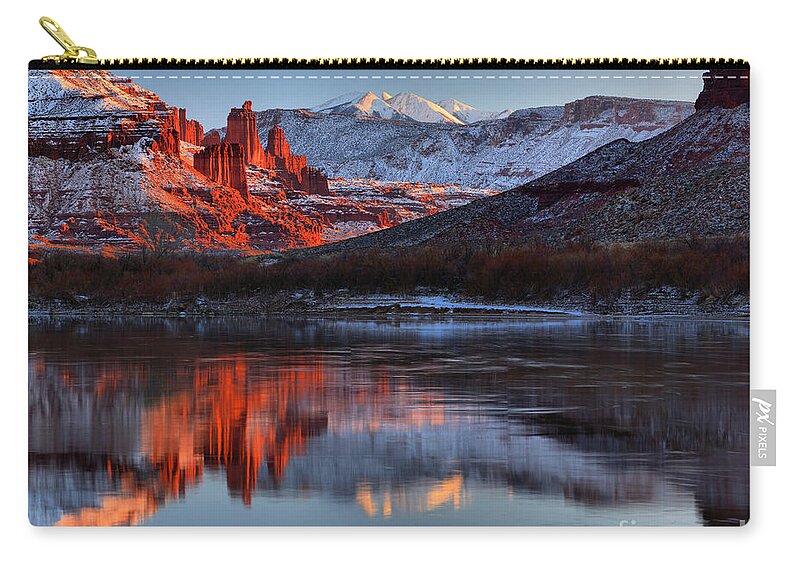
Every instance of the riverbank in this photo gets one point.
(664, 301)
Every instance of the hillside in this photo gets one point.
(692, 180)
(497, 154)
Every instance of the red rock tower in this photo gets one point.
(242, 130)
(191, 131)
(292, 169)
(225, 161)
(211, 138)
(276, 143)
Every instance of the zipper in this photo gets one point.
(72, 51)
(80, 57)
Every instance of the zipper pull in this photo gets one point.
(72, 52)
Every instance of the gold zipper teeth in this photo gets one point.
(76, 56)
(457, 63)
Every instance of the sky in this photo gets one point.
(208, 95)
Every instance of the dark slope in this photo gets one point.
(692, 180)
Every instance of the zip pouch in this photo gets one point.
(378, 292)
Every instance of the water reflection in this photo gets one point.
(252, 421)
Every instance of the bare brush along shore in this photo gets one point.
(706, 269)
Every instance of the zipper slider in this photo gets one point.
(72, 52)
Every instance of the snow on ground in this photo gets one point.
(499, 154)
(469, 114)
(440, 302)
(359, 206)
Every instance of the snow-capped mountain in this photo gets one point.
(367, 104)
(498, 154)
(469, 114)
(401, 107)
(420, 109)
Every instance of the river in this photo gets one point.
(550, 420)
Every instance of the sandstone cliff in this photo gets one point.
(639, 115)
(726, 88)
(223, 163)
(75, 114)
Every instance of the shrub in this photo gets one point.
(713, 266)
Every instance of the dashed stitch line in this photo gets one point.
(428, 77)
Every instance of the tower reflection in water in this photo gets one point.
(417, 428)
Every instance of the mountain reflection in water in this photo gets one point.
(256, 421)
